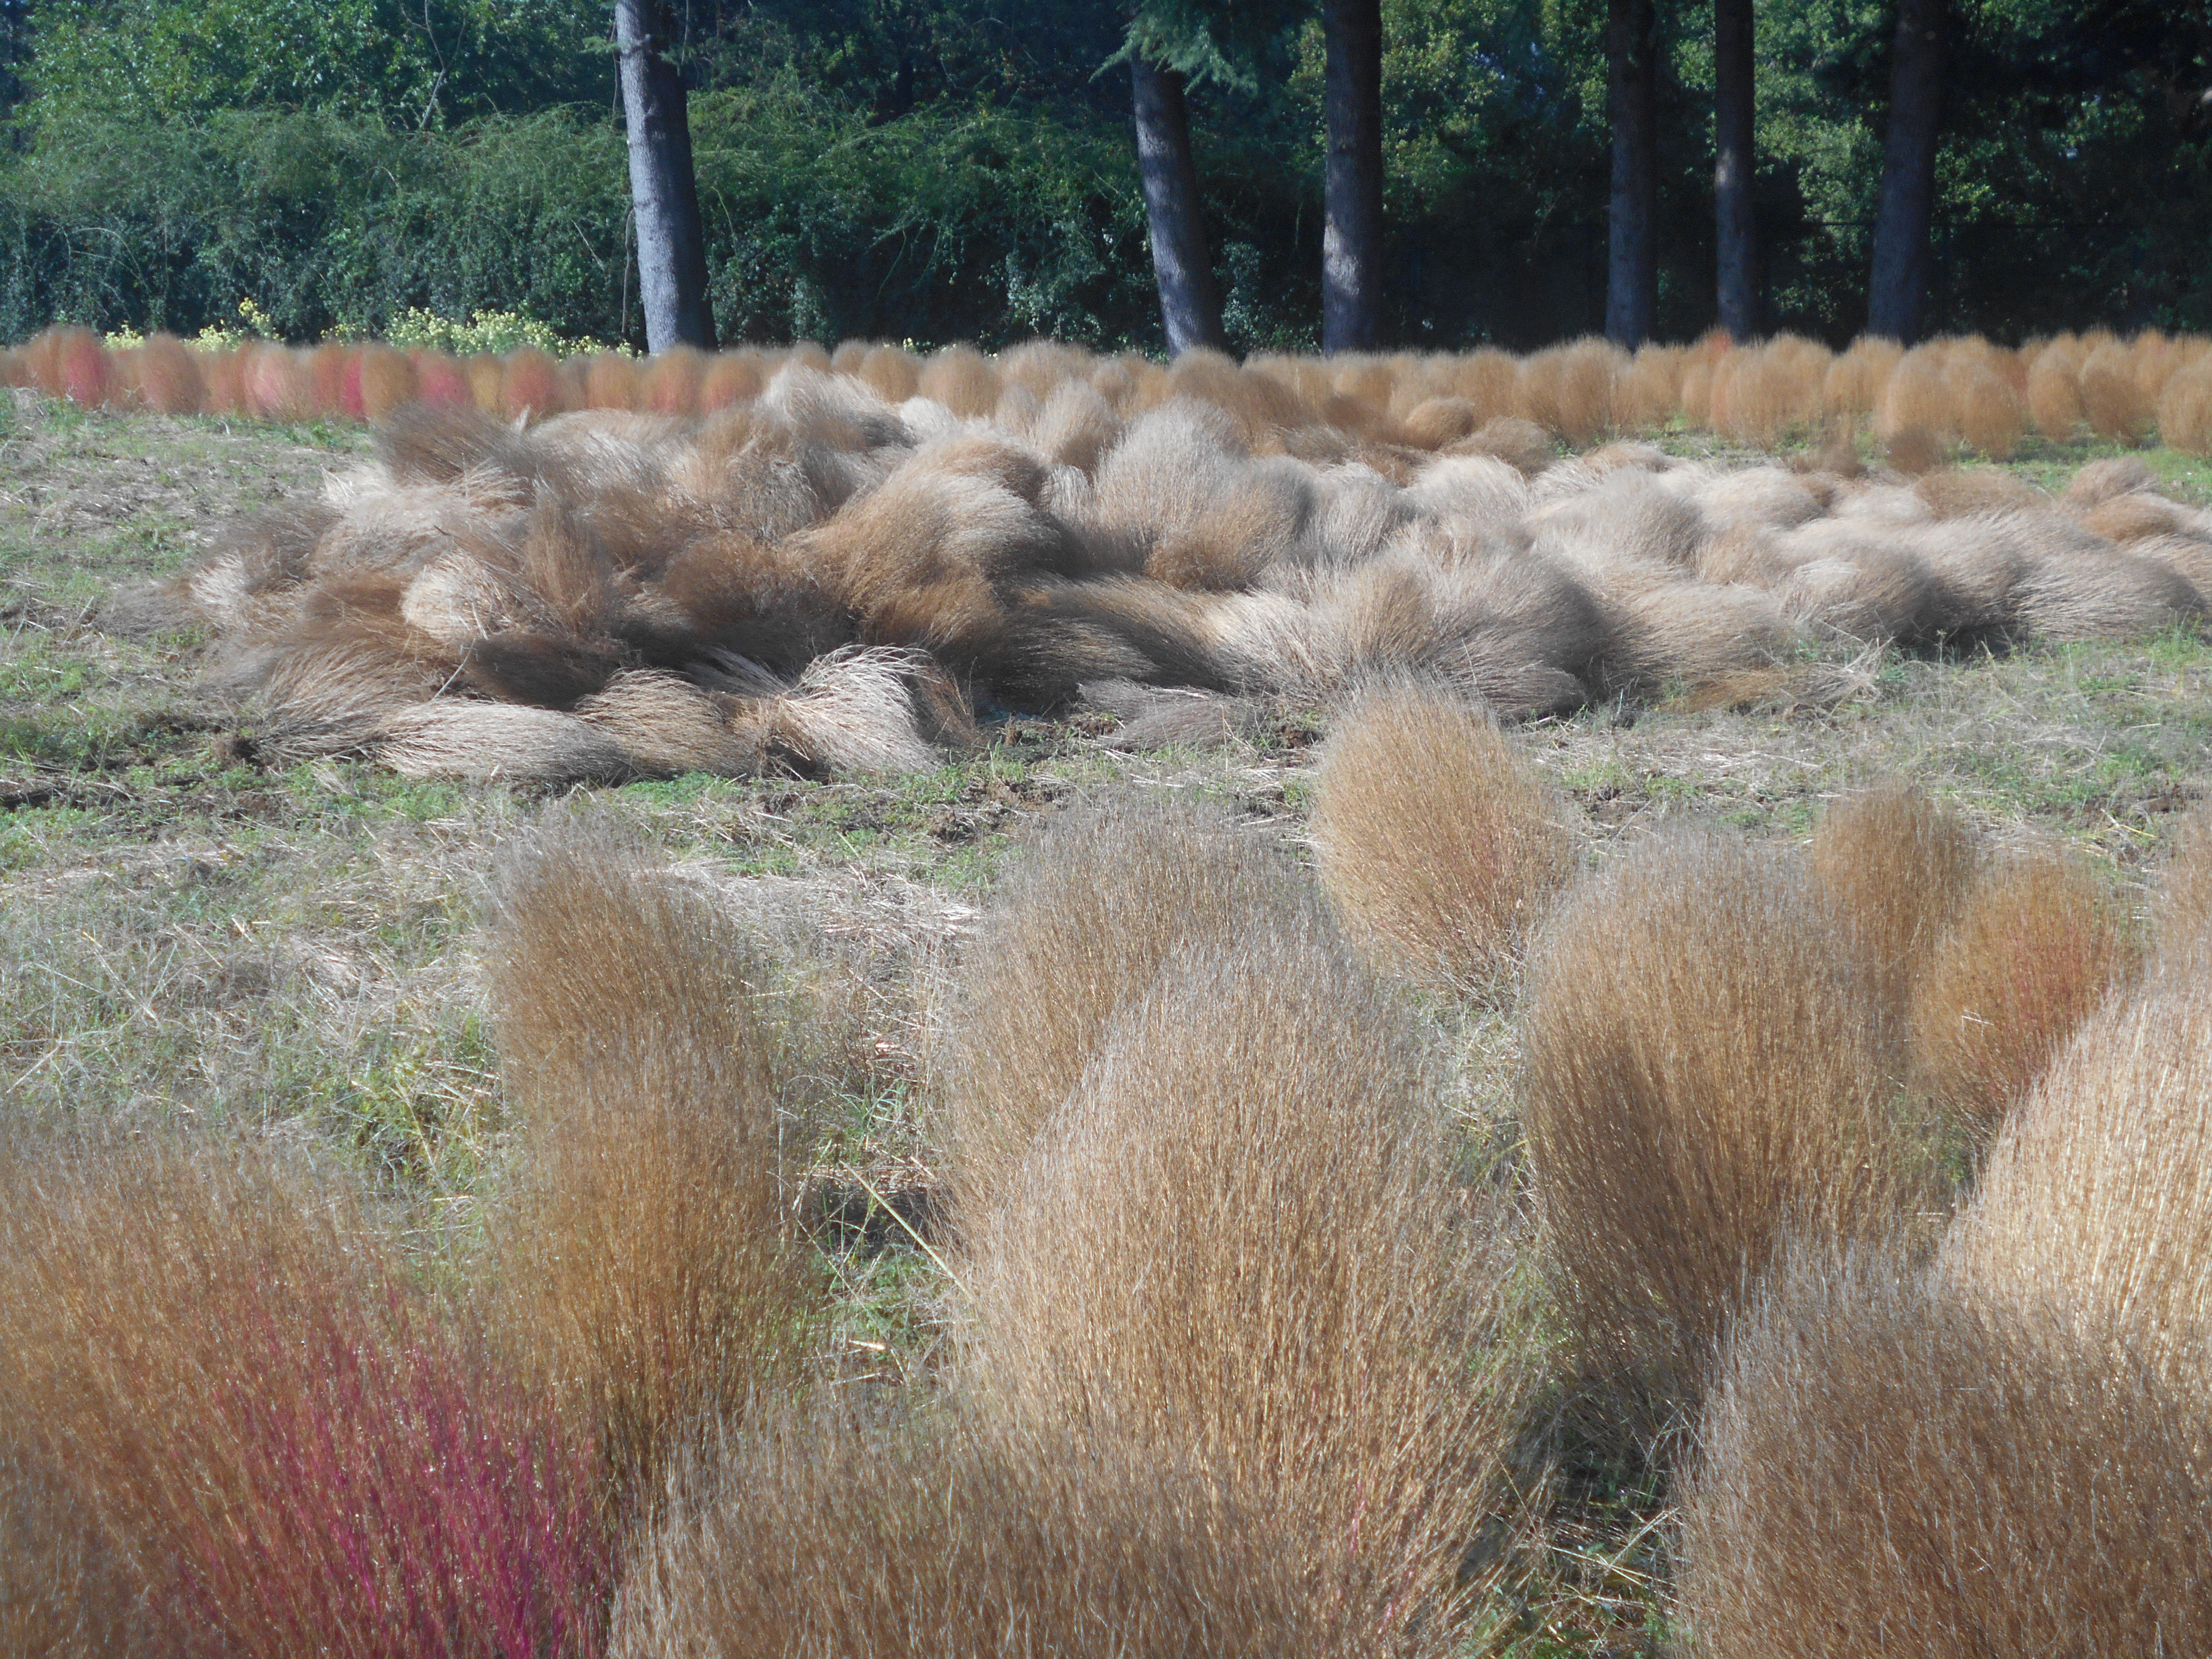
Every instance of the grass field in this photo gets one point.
(187, 936)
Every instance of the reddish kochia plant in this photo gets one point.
(222, 374)
(531, 386)
(297, 1454)
(72, 363)
(330, 367)
(279, 383)
(169, 381)
(440, 381)
(733, 378)
(443, 1510)
(670, 383)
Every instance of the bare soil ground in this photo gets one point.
(185, 936)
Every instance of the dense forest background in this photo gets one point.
(941, 169)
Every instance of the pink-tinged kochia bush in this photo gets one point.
(335, 371)
(1924, 402)
(403, 1493)
(169, 381)
(440, 382)
(76, 367)
(298, 1454)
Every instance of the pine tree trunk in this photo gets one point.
(1190, 304)
(672, 248)
(1734, 161)
(1632, 289)
(1351, 231)
(1898, 290)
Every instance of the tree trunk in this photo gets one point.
(1190, 304)
(1351, 232)
(672, 249)
(1632, 289)
(1898, 291)
(1734, 160)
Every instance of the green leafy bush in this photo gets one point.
(944, 169)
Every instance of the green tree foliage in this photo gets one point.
(415, 63)
(938, 169)
(323, 219)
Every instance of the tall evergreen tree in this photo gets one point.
(1897, 292)
(1734, 162)
(1190, 303)
(1351, 231)
(671, 246)
(1631, 288)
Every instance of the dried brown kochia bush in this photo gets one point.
(2096, 1202)
(1439, 844)
(643, 1253)
(1896, 869)
(2037, 944)
(1890, 1463)
(1258, 1261)
(1088, 914)
(1704, 1071)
